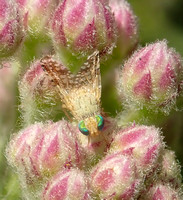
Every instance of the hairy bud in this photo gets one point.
(114, 177)
(41, 150)
(80, 27)
(11, 27)
(67, 184)
(142, 142)
(127, 36)
(151, 77)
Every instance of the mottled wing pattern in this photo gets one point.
(60, 76)
(91, 71)
(75, 89)
(57, 72)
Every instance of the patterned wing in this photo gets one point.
(56, 71)
(62, 79)
(90, 74)
(79, 93)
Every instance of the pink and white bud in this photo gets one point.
(151, 77)
(38, 95)
(37, 13)
(171, 170)
(82, 26)
(127, 28)
(67, 184)
(41, 150)
(161, 192)
(11, 27)
(143, 143)
(36, 81)
(114, 178)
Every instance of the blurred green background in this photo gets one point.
(158, 19)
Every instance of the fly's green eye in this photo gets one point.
(83, 128)
(100, 121)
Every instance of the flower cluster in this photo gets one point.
(92, 155)
(52, 154)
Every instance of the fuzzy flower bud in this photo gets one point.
(82, 26)
(151, 77)
(161, 192)
(67, 184)
(35, 79)
(38, 94)
(41, 150)
(126, 27)
(171, 170)
(37, 13)
(114, 177)
(142, 142)
(11, 27)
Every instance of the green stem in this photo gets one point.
(141, 116)
(34, 47)
(71, 60)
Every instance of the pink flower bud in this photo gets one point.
(151, 76)
(67, 184)
(161, 192)
(36, 81)
(171, 170)
(11, 27)
(37, 13)
(114, 177)
(38, 95)
(41, 150)
(142, 142)
(81, 26)
(126, 25)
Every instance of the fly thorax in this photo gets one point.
(84, 102)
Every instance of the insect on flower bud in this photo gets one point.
(41, 150)
(11, 27)
(97, 146)
(142, 142)
(114, 177)
(67, 184)
(80, 27)
(127, 37)
(151, 77)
